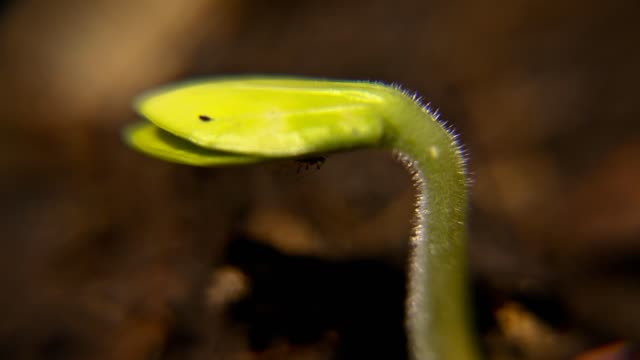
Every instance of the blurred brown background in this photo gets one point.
(107, 254)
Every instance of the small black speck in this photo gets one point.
(204, 118)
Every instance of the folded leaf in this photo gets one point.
(275, 117)
(156, 142)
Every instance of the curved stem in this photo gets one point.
(438, 313)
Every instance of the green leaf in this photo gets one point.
(153, 141)
(275, 117)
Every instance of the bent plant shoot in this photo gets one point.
(243, 120)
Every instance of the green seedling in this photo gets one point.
(243, 120)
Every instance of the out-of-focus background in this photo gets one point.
(107, 254)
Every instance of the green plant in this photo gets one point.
(252, 119)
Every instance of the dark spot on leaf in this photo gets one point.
(204, 118)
